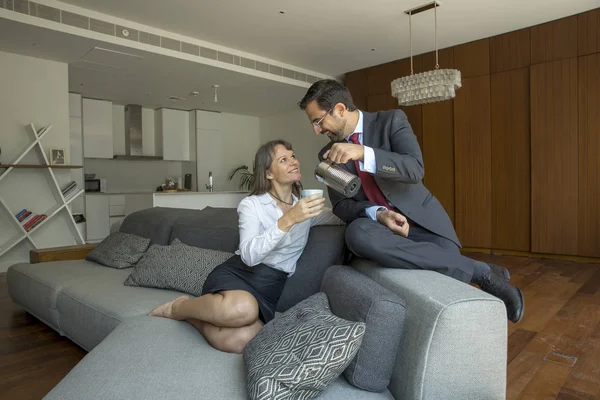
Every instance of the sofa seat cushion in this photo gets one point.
(150, 358)
(35, 286)
(89, 309)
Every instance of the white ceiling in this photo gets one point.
(139, 77)
(336, 36)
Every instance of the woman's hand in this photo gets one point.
(306, 208)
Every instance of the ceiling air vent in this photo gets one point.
(84, 22)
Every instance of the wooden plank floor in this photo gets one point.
(553, 353)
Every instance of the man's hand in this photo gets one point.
(396, 222)
(341, 153)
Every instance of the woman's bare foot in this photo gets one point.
(166, 310)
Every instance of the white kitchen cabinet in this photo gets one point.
(106, 212)
(97, 129)
(115, 223)
(208, 120)
(74, 105)
(136, 202)
(97, 217)
(116, 199)
(173, 126)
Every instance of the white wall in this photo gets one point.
(295, 127)
(32, 90)
(223, 150)
(133, 175)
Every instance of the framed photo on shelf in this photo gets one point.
(58, 156)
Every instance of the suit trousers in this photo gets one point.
(422, 249)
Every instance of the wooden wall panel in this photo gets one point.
(511, 163)
(473, 59)
(510, 51)
(472, 149)
(588, 27)
(438, 152)
(588, 209)
(380, 77)
(445, 59)
(554, 40)
(356, 82)
(381, 102)
(554, 153)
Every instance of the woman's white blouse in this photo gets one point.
(261, 240)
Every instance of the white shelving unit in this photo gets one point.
(62, 201)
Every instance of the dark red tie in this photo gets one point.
(368, 182)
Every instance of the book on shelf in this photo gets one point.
(30, 220)
(37, 222)
(68, 187)
(22, 216)
(23, 211)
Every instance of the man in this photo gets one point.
(393, 219)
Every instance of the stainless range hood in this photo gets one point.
(133, 135)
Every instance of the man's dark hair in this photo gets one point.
(328, 93)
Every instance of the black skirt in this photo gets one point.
(264, 283)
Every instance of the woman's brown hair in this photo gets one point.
(262, 162)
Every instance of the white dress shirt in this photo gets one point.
(261, 240)
(368, 165)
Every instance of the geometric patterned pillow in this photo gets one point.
(297, 354)
(176, 267)
(119, 250)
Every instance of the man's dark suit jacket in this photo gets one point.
(399, 175)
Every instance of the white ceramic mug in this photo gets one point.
(310, 192)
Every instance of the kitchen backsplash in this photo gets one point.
(133, 176)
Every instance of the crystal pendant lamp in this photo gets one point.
(430, 86)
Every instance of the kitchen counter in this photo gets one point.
(198, 200)
(197, 193)
(118, 192)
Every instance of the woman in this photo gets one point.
(240, 295)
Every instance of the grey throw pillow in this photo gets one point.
(176, 267)
(357, 297)
(119, 250)
(298, 353)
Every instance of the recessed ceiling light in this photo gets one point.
(372, 49)
(281, 12)
(195, 93)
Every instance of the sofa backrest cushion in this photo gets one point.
(154, 223)
(356, 297)
(210, 228)
(325, 247)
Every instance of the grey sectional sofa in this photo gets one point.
(453, 345)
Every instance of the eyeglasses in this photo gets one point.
(317, 124)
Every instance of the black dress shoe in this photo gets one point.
(511, 296)
(498, 270)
